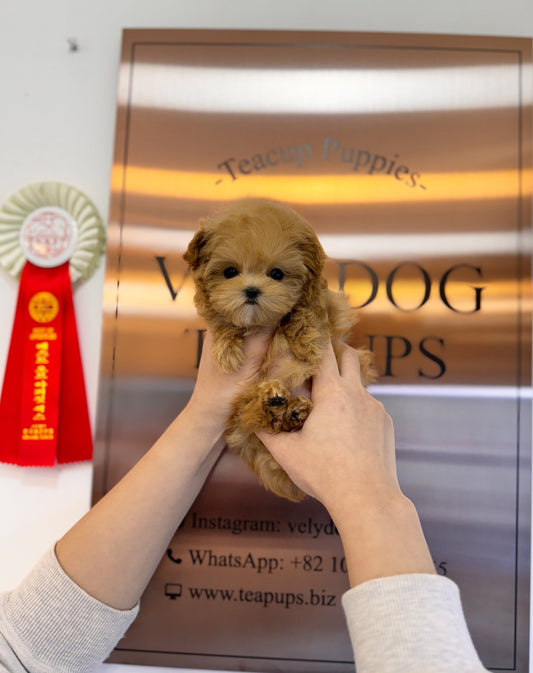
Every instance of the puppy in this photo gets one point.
(258, 264)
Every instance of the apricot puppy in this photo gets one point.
(258, 264)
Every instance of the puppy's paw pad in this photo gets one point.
(273, 393)
(297, 412)
(276, 401)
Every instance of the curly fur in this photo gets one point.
(258, 264)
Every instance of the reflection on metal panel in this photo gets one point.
(410, 157)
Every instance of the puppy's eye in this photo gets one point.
(230, 272)
(276, 274)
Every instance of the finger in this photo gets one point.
(255, 348)
(267, 438)
(327, 374)
(350, 364)
(277, 444)
(207, 341)
(257, 343)
(206, 348)
(328, 366)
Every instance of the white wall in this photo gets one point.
(57, 113)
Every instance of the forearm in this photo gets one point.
(383, 539)
(113, 551)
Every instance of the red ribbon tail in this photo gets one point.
(12, 387)
(43, 406)
(75, 437)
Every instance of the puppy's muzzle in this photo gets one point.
(251, 293)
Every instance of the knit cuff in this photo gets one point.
(54, 626)
(409, 623)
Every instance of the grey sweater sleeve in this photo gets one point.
(409, 623)
(50, 625)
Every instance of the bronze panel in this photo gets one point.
(410, 155)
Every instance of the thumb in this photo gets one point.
(269, 439)
(284, 448)
(279, 445)
(255, 348)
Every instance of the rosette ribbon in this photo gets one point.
(44, 418)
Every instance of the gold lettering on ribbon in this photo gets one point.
(39, 429)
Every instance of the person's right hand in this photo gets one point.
(346, 446)
(345, 457)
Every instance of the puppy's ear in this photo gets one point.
(313, 256)
(312, 253)
(193, 254)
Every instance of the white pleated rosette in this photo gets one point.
(37, 217)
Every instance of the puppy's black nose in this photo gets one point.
(252, 292)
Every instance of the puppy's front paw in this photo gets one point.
(276, 401)
(273, 397)
(283, 412)
(298, 410)
(229, 357)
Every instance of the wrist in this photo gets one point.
(196, 426)
(382, 537)
(352, 506)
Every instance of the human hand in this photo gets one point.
(344, 455)
(215, 390)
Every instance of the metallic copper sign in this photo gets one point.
(410, 155)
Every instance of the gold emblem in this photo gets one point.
(43, 307)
